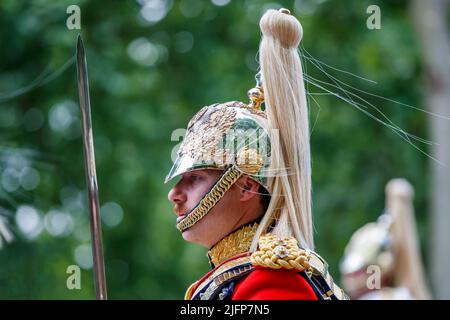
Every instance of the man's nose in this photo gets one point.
(176, 196)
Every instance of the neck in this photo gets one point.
(237, 242)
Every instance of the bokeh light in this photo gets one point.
(29, 221)
(220, 3)
(29, 178)
(58, 223)
(154, 11)
(83, 256)
(64, 119)
(112, 214)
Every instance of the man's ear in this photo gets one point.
(248, 188)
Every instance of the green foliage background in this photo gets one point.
(137, 104)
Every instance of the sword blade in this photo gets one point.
(91, 175)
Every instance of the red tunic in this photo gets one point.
(271, 284)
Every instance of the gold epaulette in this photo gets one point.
(276, 253)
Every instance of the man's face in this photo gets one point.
(223, 218)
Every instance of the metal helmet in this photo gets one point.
(231, 136)
(371, 245)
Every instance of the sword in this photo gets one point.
(91, 175)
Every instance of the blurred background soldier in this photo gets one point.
(382, 259)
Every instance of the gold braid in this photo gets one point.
(230, 176)
(277, 253)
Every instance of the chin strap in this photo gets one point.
(209, 200)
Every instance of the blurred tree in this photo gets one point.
(431, 21)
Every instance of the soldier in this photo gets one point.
(382, 260)
(245, 183)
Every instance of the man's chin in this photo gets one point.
(190, 235)
(185, 236)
